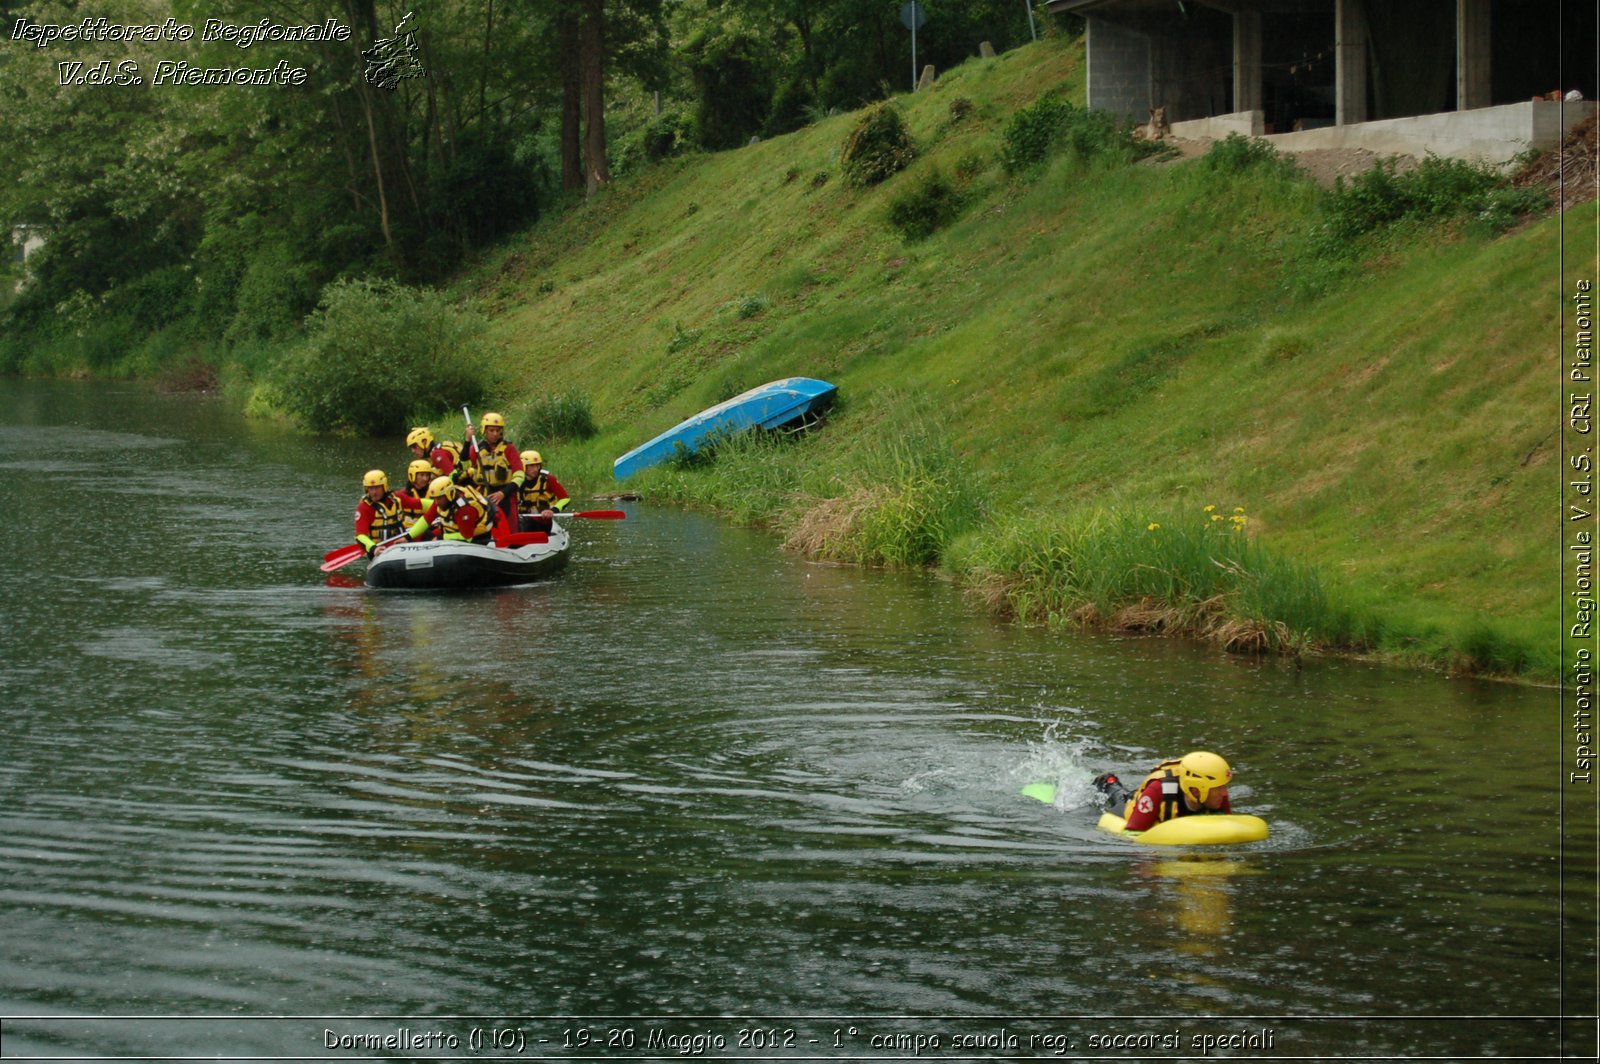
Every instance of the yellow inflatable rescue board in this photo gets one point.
(1211, 829)
(1208, 830)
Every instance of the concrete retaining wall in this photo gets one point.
(1487, 134)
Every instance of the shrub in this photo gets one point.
(565, 416)
(1031, 133)
(926, 207)
(877, 148)
(376, 352)
(1237, 153)
(1436, 189)
(1051, 123)
(1092, 135)
(670, 133)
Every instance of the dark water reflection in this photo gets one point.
(694, 777)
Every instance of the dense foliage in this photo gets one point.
(378, 352)
(188, 221)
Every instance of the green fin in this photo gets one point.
(1045, 792)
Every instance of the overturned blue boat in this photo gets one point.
(779, 404)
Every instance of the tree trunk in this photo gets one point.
(488, 42)
(568, 42)
(595, 170)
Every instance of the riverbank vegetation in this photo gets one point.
(1093, 383)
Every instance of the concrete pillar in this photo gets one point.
(1472, 54)
(1247, 61)
(1350, 58)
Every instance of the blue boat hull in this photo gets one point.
(770, 406)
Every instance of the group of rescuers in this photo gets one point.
(1195, 783)
(460, 492)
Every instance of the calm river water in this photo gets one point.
(698, 796)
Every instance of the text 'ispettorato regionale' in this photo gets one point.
(177, 72)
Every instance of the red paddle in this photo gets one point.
(338, 559)
(595, 515)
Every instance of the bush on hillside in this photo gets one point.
(377, 351)
(672, 132)
(877, 148)
(1436, 189)
(1031, 133)
(1237, 154)
(566, 416)
(1051, 124)
(926, 207)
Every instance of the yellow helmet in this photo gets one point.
(442, 486)
(532, 458)
(375, 478)
(1201, 772)
(421, 465)
(420, 437)
(492, 420)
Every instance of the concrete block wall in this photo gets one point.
(1119, 70)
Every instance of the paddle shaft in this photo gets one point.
(338, 559)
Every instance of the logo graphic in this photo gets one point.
(394, 59)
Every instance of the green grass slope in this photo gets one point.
(1088, 350)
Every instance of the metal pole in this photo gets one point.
(913, 49)
(1029, 5)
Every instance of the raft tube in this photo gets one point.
(445, 564)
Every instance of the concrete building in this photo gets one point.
(1453, 77)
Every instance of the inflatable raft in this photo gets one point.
(447, 564)
(1209, 829)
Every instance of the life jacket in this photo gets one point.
(445, 456)
(466, 516)
(1172, 803)
(536, 493)
(413, 503)
(494, 464)
(388, 516)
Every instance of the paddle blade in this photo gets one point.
(340, 552)
(597, 515)
(338, 559)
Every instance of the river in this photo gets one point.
(698, 796)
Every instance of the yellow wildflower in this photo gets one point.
(1209, 508)
(1152, 526)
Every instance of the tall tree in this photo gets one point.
(595, 168)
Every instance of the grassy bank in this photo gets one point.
(1090, 349)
